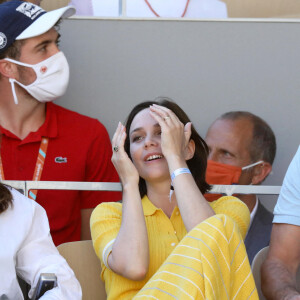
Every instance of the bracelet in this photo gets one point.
(180, 171)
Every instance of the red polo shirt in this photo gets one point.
(79, 150)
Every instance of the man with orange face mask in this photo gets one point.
(242, 149)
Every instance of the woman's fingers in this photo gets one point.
(114, 141)
(122, 137)
(166, 118)
(124, 166)
(119, 137)
(164, 113)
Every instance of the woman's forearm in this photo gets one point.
(130, 251)
(192, 205)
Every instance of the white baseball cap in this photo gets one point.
(22, 20)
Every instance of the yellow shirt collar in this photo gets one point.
(148, 207)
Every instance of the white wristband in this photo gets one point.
(180, 171)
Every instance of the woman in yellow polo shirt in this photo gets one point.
(165, 241)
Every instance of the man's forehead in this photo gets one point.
(50, 34)
(231, 133)
(237, 127)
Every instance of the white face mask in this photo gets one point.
(52, 78)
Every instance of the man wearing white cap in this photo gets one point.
(41, 140)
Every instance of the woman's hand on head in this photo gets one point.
(123, 164)
(174, 135)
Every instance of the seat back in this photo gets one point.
(256, 265)
(82, 259)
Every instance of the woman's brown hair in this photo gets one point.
(5, 198)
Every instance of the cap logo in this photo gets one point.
(29, 10)
(43, 69)
(3, 40)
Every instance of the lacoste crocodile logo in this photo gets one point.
(60, 159)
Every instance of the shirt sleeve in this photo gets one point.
(234, 208)
(99, 167)
(38, 254)
(287, 209)
(105, 225)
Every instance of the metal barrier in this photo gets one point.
(26, 186)
(72, 185)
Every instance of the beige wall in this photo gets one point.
(53, 4)
(262, 9)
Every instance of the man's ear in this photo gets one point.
(189, 150)
(7, 69)
(260, 172)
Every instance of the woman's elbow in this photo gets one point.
(133, 269)
(136, 273)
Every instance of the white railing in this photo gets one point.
(246, 189)
(26, 186)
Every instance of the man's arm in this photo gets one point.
(278, 272)
(85, 224)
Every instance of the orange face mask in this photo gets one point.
(218, 173)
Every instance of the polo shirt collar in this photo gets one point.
(148, 207)
(48, 129)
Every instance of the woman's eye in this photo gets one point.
(158, 132)
(136, 138)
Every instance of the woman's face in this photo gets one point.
(145, 147)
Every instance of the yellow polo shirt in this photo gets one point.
(163, 235)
